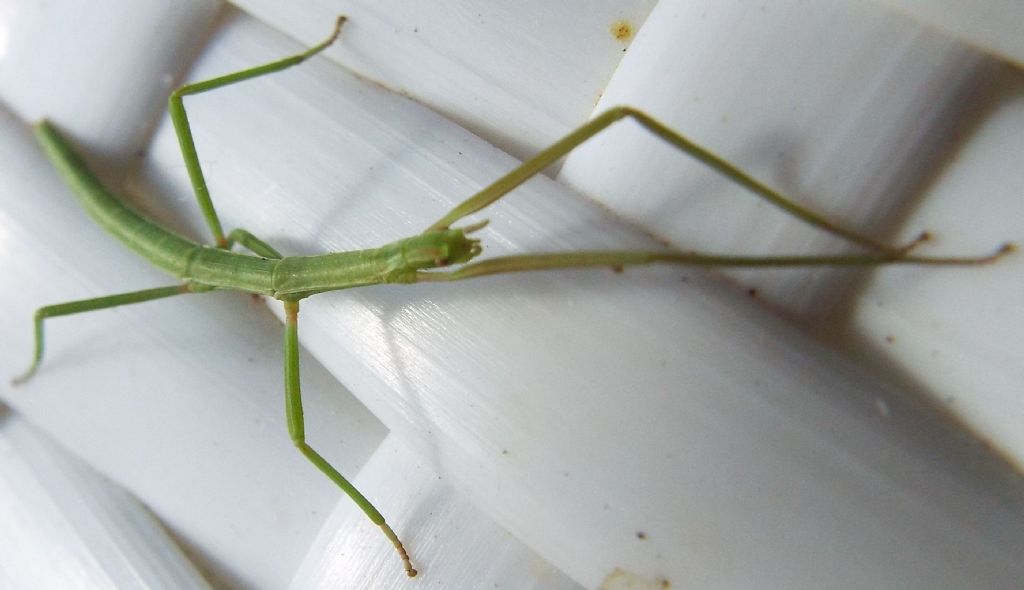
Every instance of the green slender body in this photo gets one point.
(287, 279)
(402, 261)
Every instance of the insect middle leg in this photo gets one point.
(297, 431)
(179, 118)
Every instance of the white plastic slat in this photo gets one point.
(66, 527)
(516, 74)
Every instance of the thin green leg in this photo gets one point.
(542, 160)
(617, 259)
(73, 307)
(297, 430)
(252, 243)
(176, 108)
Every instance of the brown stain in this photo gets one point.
(622, 30)
(621, 579)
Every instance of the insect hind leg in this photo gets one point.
(84, 305)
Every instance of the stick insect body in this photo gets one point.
(419, 258)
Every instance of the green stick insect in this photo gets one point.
(418, 258)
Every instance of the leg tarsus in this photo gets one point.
(913, 244)
(338, 22)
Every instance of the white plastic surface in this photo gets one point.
(65, 527)
(851, 116)
(101, 70)
(960, 339)
(640, 424)
(517, 74)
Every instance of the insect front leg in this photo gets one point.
(618, 259)
(297, 431)
(560, 148)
